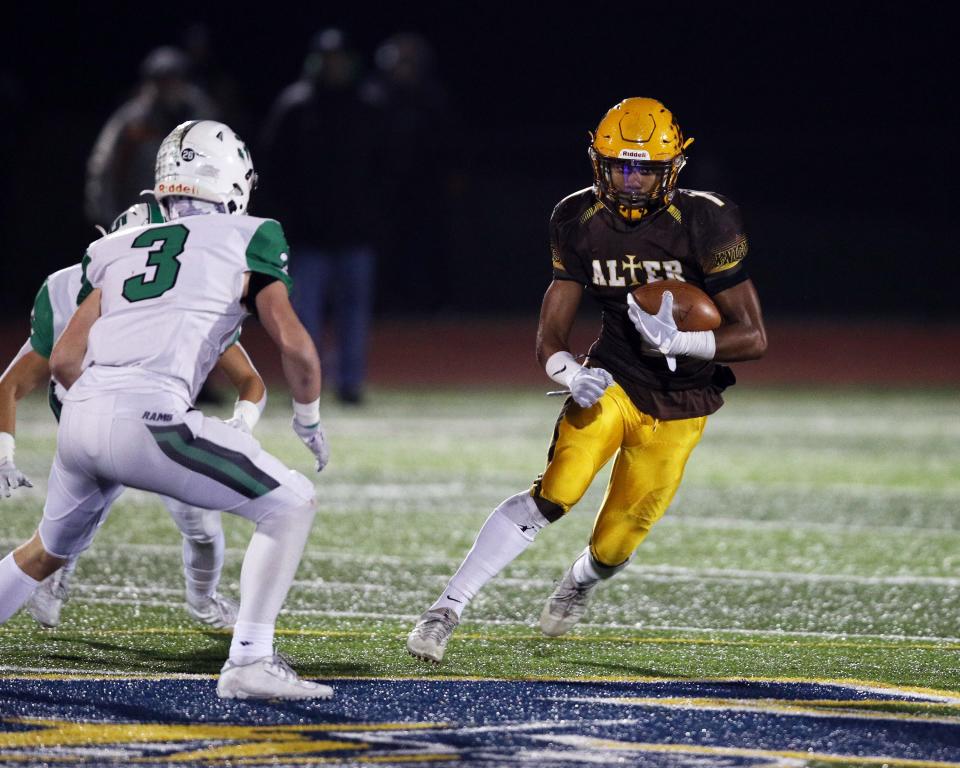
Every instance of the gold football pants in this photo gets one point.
(650, 457)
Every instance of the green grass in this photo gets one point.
(816, 535)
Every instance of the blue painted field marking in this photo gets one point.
(741, 722)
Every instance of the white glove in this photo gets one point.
(586, 385)
(660, 331)
(314, 438)
(11, 477)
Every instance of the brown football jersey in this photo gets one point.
(698, 238)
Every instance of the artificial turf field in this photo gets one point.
(798, 604)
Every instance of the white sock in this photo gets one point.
(202, 564)
(583, 571)
(15, 587)
(499, 542)
(251, 642)
(271, 561)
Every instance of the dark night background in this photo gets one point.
(834, 127)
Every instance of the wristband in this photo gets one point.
(561, 367)
(307, 414)
(6, 447)
(247, 412)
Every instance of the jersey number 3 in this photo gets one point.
(170, 242)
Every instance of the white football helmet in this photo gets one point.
(206, 160)
(147, 211)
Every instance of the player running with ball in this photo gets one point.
(643, 395)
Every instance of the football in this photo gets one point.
(693, 310)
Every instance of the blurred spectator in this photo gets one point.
(417, 135)
(122, 161)
(207, 71)
(323, 147)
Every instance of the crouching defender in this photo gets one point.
(202, 531)
(166, 299)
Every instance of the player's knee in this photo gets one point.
(642, 515)
(301, 487)
(549, 509)
(201, 526)
(564, 482)
(208, 527)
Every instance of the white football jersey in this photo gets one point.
(54, 306)
(170, 300)
(52, 309)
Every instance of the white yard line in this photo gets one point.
(636, 572)
(103, 672)
(412, 617)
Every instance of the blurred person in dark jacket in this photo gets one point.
(421, 175)
(121, 164)
(324, 143)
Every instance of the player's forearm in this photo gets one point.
(557, 314)
(251, 389)
(301, 365)
(8, 410)
(26, 373)
(66, 364)
(548, 346)
(739, 341)
(236, 365)
(302, 378)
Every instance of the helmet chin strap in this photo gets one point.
(632, 214)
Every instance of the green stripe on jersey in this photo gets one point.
(85, 287)
(41, 323)
(53, 401)
(269, 254)
(155, 212)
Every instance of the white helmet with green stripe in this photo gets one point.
(206, 160)
(147, 211)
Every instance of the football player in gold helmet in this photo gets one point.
(646, 388)
(637, 154)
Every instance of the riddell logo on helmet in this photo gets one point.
(178, 188)
(636, 154)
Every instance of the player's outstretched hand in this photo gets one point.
(588, 384)
(11, 478)
(659, 330)
(314, 438)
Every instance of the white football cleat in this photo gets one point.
(270, 677)
(217, 611)
(428, 639)
(47, 600)
(566, 606)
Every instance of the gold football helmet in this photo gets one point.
(637, 153)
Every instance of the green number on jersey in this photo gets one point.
(171, 241)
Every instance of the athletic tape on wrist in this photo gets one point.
(307, 414)
(248, 412)
(7, 444)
